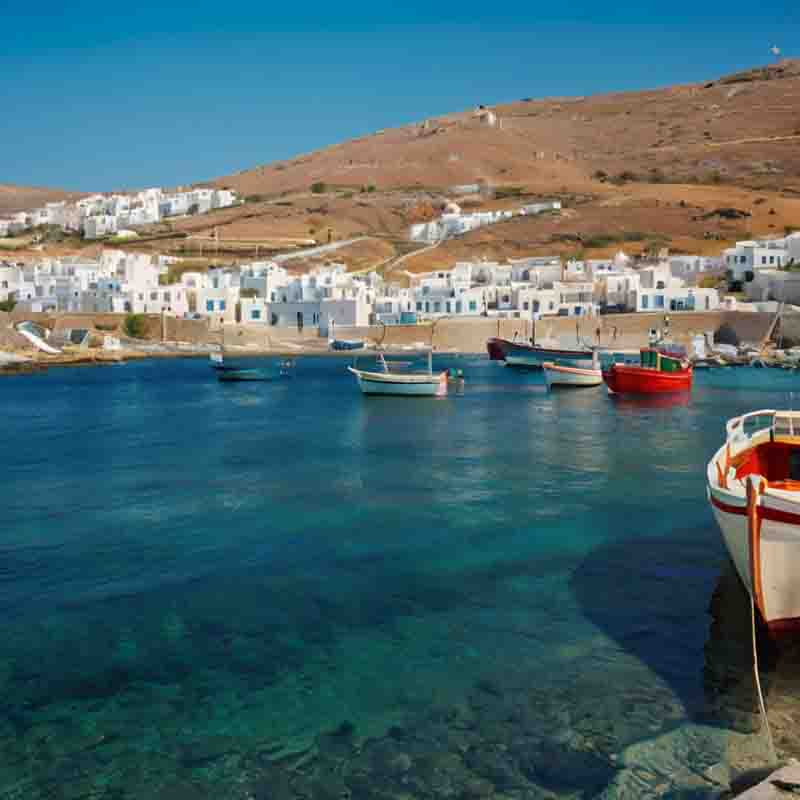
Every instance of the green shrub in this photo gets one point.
(319, 187)
(603, 240)
(8, 305)
(508, 191)
(135, 326)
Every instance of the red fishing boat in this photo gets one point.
(661, 369)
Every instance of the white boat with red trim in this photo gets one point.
(754, 491)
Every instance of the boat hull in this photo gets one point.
(768, 562)
(527, 356)
(347, 344)
(625, 379)
(559, 375)
(382, 383)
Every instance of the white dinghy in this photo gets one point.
(407, 384)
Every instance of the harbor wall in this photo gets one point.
(467, 335)
(175, 329)
(615, 330)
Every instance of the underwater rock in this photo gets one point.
(329, 786)
(204, 751)
(272, 785)
(478, 787)
(496, 765)
(339, 743)
(558, 767)
(399, 764)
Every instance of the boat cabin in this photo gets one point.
(662, 360)
(765, 444)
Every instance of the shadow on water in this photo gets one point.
(651, 595)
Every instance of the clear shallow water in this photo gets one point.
(290, 590)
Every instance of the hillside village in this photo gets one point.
(100, 215)
(266, 293)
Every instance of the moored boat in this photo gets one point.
(347, 344)
(405, 384)
(753, 485)
(661, 369)
(560, 375)
(532, 356)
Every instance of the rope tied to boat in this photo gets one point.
(770, 742)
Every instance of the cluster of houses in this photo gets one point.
(765, 269)
(455, 223)
(266, 293)
(101, 215)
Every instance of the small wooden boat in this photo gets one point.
(406, 384)
(753, 485)
(661, 369)
(347, 344)
(560, 375)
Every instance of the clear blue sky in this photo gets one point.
(99, 96)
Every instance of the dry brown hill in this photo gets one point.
(22, 198)
(638, 170)
(743, 128)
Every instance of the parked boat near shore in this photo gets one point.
(531, 356)
(347, 344)
(661, 369)
(753, 485)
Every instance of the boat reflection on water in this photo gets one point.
(645, 402)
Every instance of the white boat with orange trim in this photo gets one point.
(562, 375)
(754, 491)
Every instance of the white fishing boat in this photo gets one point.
(408, 384)
(754, 491)
(563, 375)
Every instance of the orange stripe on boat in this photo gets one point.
(754, 542)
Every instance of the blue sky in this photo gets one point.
(103, 98)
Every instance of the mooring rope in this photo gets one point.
(771, 744)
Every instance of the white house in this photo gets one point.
(10, 280)
(743, 260)
(99, 225)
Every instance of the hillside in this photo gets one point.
(639, 170)
(22, 198)
(743, 127)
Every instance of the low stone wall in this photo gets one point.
(615, 330)
(175, 329)
(467, 335)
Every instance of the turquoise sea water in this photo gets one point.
(279, 590)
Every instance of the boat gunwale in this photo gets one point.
(394, 377)
(587, 371)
